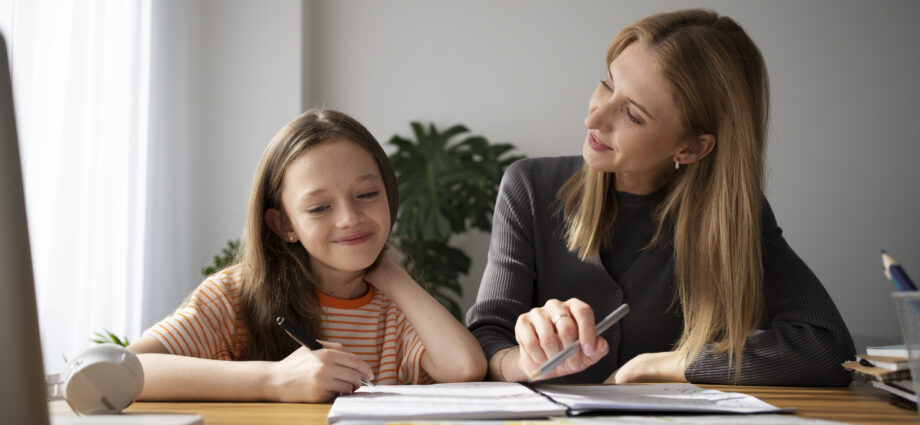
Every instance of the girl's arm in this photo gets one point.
(452, 354)
(303, 376)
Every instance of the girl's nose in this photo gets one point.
(349, 215)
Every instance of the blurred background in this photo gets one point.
(141, 123)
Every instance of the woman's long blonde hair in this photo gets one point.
(276, 274)
(713, 206)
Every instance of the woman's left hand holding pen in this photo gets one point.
(316, 376)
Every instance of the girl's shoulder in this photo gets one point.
(382, 305)
(225, 285)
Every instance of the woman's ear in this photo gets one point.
(278, 222)
(697, 148)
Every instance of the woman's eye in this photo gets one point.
(367, 195)
(607, 86)
(632, 117)
(317, 210)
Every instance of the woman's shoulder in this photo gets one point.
(543, 172)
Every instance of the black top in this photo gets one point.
(803, 338)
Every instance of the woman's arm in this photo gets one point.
(303, 376)
(803, 339)
(516, 335)
(802, 343)
(451, 352)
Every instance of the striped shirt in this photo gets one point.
(209, 325)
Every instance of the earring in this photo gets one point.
(291, 238)
(676, 164)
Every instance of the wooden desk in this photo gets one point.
(859, 404)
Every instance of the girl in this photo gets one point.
(323, 201)
(663, 211)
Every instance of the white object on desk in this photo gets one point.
(104, 379)
(129, 419)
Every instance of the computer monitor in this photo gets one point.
(22, 381)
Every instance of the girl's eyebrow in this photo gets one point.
(367, 177)
(320, 191)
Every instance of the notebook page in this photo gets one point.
(657, 397)
(476, 400)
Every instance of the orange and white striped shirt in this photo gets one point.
(209, 325)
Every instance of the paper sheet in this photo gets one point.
(478, 400)
(770, 419)
(657, 398)
(765, 419)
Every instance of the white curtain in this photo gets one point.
(81, 84)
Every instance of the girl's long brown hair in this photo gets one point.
(713, 206)
(277, 280)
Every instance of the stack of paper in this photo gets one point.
(886, 368)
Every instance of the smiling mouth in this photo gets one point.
(596, 144)
(355, 239)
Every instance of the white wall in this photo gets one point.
(226, 76)
(842, 140)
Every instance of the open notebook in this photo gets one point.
(507, 400)
(22, 390)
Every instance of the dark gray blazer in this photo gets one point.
(803, 339)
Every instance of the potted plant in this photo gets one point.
(445, 188)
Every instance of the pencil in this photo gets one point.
(306, 340)
(896, 274)
(573, 347)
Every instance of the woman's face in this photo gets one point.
(634, 125)
(336, 205)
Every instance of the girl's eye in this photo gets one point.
(317, 210)
(367, 195)
(607, 86)
(632, 117)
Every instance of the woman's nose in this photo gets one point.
(600, 116)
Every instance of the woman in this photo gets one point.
(664, 211)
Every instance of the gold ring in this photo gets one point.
(559, 317)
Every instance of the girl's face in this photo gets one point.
(633, 123)
(335, 205)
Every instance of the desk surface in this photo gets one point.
(859, 404)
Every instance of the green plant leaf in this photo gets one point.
(227, 258)
(109, 337)
(446, 187)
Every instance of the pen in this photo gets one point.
(572, 348)
(300, 336)
(896, 274)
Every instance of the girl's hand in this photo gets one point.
(316, 376)
(544, 331)
(386, 270)
(668, 366)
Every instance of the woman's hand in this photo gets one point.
(316, 376)
(668, 366)
(545, 331)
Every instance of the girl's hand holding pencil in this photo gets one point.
(316, 376)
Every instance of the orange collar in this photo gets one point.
(330, 301)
